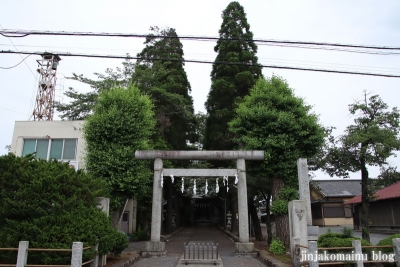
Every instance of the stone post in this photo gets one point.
(304, 187)
(295, 251)
(95, 262)
(396, 249)
(244, 246)
(313, 250)
(103, 204)
(22, 253)
(76, 259)
(358, 252)
(297, 223)
(155, 248)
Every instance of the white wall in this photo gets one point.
(48, 129)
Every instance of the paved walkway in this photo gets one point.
(174, 248)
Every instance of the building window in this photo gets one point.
(316, 211)
(333, 211)
(61, 149)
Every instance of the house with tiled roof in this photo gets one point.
(384, 210)
(327, 199)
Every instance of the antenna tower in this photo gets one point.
(44, 106)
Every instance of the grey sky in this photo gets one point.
(339, 21)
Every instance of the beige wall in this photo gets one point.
(48, 129)
(338, 221)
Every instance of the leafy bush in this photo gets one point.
(388, 242)
(332, 239)
(277, 247)
(141, 234)
(280, 205)
(51, 206)
(347, 232)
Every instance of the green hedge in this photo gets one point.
(51, 206)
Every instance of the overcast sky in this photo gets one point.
(335, 21)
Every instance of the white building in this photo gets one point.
(62, 140)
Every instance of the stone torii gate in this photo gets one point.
(156, 248)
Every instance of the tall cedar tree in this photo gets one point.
(368, 142)
(230, 82)
(160, 73)
(273, 119)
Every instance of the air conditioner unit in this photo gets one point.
(74, 164)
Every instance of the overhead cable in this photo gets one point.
(24, 33)
(203, 62)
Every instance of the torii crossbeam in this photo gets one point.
(156, 248)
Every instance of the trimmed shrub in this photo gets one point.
(387, 242)
(277, 247)
(51, 206)
(331, 239)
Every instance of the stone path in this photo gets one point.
(174, 248)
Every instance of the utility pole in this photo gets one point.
(44, 105)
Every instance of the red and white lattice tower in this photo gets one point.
(44, 106)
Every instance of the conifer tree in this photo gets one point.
(160, 73)
(230, 82)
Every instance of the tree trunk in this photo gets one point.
(282, 229)
(255, 220)
(281, 221)
(365, 202)
(277, 185)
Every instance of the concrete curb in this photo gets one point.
(269, 260)
(127, 262)
(133, 259)
(262, 255)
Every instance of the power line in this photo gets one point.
(208, 56)
(203, 62)
(7, 68)
(24, 33)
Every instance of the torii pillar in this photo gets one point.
(156, 248)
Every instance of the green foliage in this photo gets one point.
(372, 138)
(51, 206)
(347, 232)
(280, 205)
(329, 240)
(230, 83)
(122, 122)
(82, 104)
(277, 247)
(272, 119)
(387, 242)
(370, 141)
(141, 234)
(166, 82)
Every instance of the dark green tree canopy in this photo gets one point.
(160, 73)
(51, 205)
(368, 142)
(372, 138)
(273, 119)
(230, 83)
(122, 122)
